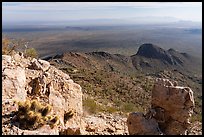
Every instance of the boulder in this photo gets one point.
(139, 125)
(171, 109)
(177, 105)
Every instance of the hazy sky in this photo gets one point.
(63, 11)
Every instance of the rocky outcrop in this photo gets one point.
(138, 124)
(25, 78)
(171, 110)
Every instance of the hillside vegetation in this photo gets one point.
(113, 80)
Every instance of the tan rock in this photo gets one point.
(6, 59)
(52, 87)
(171, 110)
(45, 130)
(39, 64)
(177, 104)
(13, 83)
(139, 125)
(44, 64)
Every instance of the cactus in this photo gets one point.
(34, 118)
(54, 121)
(29, 114)
(44, 111)
(69, 114)
(32, 115)
(35, 105)
(24, 106)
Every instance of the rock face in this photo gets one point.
(173, 105)
(171, 109)
(36, 79)
(139, 125)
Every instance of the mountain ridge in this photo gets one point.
(149, 58)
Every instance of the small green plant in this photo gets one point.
(44, 111)
(196, 117)
(111, 109)
(68, 115)
(31, 52)
(23, 107)
(91, 106)
(35, 106)
(5, 46)
(32, 115)
(128, 107)
(54, 121)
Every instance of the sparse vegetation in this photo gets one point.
(128, 107)
(91, 106)
(11, 45)
(130, 91)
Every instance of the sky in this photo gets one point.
(13, 12)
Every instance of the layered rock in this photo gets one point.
(171, 109)
(36, 79)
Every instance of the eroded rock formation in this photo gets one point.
(170, 113)
(24, 78)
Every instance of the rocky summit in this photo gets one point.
(152, 58)
(152, 51)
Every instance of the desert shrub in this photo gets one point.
(31, 52)
(111, 109)
(128, 107)
(32, 115)
(91, 106)
(7, 46)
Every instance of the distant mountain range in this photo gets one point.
(149, 59)
(148, 20)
